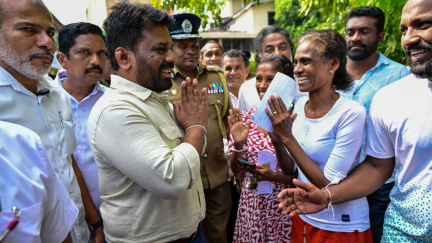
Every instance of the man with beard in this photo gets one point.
(214, 167)
(398, 137)
(236, 69)
(371, 71)
(211, 53)
(82, 54)
(30, 99)
(148, 157)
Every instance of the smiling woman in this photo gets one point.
(325, 139)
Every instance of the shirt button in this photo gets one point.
(205, 156)
(218, 101)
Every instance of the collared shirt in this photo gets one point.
(50, 117)
(83, 154)
(149, 180)
(382, 74)
(28, 182)
(234, 100)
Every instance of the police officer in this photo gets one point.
(214, 167)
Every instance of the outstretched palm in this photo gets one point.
(238, 130)
(306, 199)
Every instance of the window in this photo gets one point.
(271, 20)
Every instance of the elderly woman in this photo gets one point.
(325, 139)
(259, 219)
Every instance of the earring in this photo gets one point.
(331, 71)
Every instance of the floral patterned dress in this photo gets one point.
(258, 218)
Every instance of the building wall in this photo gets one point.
(253, 19)
(260, 15)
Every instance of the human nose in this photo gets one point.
(298, 69)
(44, 41)
(410, 38)
(95, 59)
(170, 57)
(262, 85)
(277, 52)
(356, 37)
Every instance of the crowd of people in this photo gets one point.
(144, 136)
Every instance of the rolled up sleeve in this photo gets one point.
(126, 139)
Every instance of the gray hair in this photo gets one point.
(270, 30)
(37, 3)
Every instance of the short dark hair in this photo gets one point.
(330, 45)
(281, 63)
(37, 3)
(236, 53)
(270, 30)
(208, 42)
(124, 26)
(374, 12)
(68, 34)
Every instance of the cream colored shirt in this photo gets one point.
(149, 180)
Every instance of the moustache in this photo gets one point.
(44, 52)
(95, 67)
(167, 65)
(359, 44)
(422, 45)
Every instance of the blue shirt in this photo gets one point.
(83, 154)
(382, 74)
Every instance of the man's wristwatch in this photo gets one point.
(96, 225)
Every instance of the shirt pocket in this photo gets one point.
(213, 102)
(70, 136)
(171, 135)
(29, 226)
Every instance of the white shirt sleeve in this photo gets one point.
(349, 139)
(60, 211)
(378, 142)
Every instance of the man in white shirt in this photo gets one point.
(82, 54)
(271, 41)
(235, 66)
(148, 157)
(28, 182)
(371, 70)
(31, 99)
(398, 137)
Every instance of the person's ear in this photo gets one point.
(62, 59)
(381, 37)
(334, 64)
(247, 70)
(125, 58)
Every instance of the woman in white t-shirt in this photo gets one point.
(326, 137)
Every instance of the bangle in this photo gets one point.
(241, 150)
(330, 203)
(205, 130)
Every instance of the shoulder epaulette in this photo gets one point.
(214, 68)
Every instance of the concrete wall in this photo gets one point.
(253, 19)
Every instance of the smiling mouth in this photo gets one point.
(302, 79)
(418, 52)
(168, 71)
(261, 94)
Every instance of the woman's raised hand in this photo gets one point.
(238, 130)
(280, 118)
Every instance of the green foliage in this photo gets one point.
(198, 7)
(297, 16)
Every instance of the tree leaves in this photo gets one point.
(199, 7)
(297, 16)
